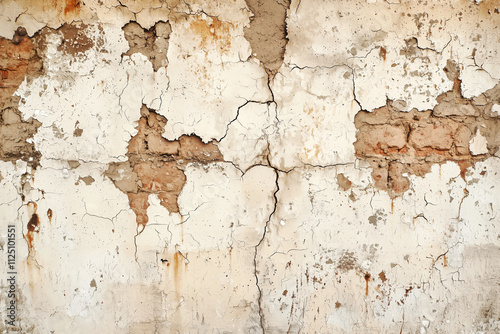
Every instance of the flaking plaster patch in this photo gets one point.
(478, 144)
(108, 99)
(332, 190)
(210, 77)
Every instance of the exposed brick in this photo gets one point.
(155, 179)
(398, 142)
(439, 137)
(18, 59)
(381, 140)
(156, 164)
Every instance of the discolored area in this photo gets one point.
(267, 31)
(153, 42)
(156, 165)
(74, 39)
(19, 58)
(396, 142)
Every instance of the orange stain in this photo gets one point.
(72, 6)
(212, 31)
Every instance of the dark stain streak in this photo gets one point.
(33, 223)
(367, 279)
(49, 215)
(383, 53)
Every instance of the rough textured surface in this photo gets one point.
(267, 31)
(156, 165)
(153, 43)
(397, 143)
(19, 59)
(200, 166)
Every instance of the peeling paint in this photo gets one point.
(251, 166)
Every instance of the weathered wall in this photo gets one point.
(259, 166)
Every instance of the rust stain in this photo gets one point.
(178, 270)
(33, 225)
(367, 279)
(49, 215)
(177, 259)
(383, 53)
(72, 7)
(382, 277)
(408, 291)
(212, 32)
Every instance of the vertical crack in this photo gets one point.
(261, 314)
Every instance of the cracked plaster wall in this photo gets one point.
(273, 166)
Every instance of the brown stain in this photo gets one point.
(155, 165)
(347, 261)
(75, 40)
(77, 133)
(49, 215)
(367, 277)
(343, 182)
(486, 9)
(407, 291)
(382, 277)
(88, 180)
(463, 167)
(338, 305)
